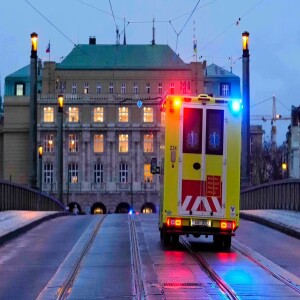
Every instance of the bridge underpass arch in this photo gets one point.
(122, 208)
(72, 205)
(148, 208)
(98, 208)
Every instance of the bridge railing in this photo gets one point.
(17, 197)
(283, 194)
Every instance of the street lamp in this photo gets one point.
(33, 112)
(60, 148)
(40, 150)
(245, 172)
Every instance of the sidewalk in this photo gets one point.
(286, 221)
(15, 222)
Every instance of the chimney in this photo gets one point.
(92, 40)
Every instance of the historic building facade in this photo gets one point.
(112, 123)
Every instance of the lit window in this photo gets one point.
(148, 177)
(98, 114)
(48, 173)
(123, 142)
(73, 114)
(20, 89)
(98, 173)
(86, 88)
(98, 88)
(123, 114)
(148, 114)
(111, 87)
(123, 173)
(48, 143)
(163, 118)
(98, 143)
(48, 114)
(148, 88)
(74, 88)
(135, 88)
(172, 88)
(123, 88)
(73, 143)
(160, 91)
(148, 142)
(73, 173)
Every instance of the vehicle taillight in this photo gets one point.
(227, 225)
(174, 222)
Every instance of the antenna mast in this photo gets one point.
(153, 33)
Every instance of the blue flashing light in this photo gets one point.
(131, 212)
(235, 106)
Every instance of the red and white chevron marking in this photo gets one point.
(201, 203)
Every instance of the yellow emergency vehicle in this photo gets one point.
(200, 168)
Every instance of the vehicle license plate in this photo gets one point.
(206, 223)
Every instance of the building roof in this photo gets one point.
(93, 57)
(21, 73)
(215, 71)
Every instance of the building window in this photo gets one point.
(160, 91)
(123, 172)
(123, 114)
(73, 115)
(172, 88)
(123, 142)
(74, 88)
(73, 173)
(48, 143)
(20, 89)
(98, 143)
(225, 89)
(98, 88)
(86, 88)
(148, 88)
(48, 173)
(98, 172)
(123, 88)
(48, 114)
(135, 88)
(111, 87)
(73, 142)
(148, 114)
(98, 114)
(148, 177)
(183, 87)
(148, 142)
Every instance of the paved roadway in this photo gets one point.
(115, 279)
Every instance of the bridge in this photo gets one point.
(283, 194)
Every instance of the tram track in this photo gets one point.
(65, 289)
(238, 247)
(223, 286)
(139, 285)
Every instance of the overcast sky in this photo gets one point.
(274, 27)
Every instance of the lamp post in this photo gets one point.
(245, 172)
(40, 150)
(60, 148)
(33, 112)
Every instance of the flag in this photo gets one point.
(195, 46)
(48, 48)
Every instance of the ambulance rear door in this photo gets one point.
(202, 161)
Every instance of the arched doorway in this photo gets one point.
(98, 208)
(123, 208)
(72, 205)
(148, 208)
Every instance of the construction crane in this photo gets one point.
(273, 118)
